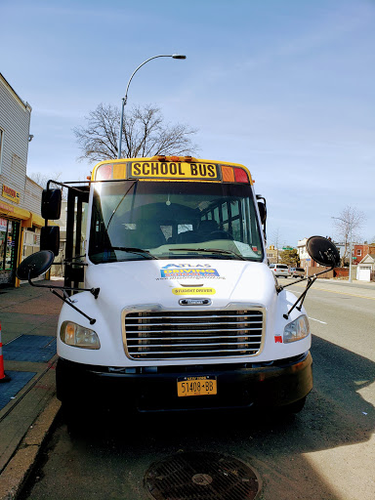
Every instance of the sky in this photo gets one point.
(285, 87)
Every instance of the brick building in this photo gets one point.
(360, 252)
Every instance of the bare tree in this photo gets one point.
(42, 179)
(347, 227)
(144, 134)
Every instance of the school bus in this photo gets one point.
(172, 304)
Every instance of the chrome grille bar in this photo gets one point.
(173, 335)
(166, 331)
(144, 339)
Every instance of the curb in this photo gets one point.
(16, 473)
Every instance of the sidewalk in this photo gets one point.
(28, 406)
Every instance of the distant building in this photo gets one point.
(272, 254)
(361, 250)
(304, 257)
(366, 268)
(20, 219)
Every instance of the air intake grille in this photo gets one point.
(193, 334)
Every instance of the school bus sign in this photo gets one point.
(173, 170)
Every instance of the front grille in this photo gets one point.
(193, 334)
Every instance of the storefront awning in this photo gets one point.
(29, 218)
(35, 220)
(8, 210)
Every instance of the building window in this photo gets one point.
(359, 252)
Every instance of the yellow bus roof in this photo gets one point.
(172, 168)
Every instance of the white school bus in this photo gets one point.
(174, 306)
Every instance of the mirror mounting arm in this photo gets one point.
(40, 262)
(301, 298)
(310, 281)
(52, 288)
(325, 253)
(69, 302)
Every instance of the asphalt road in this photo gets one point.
(325, 452)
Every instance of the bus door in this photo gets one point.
(76, 220)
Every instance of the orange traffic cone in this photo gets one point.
(3, 376)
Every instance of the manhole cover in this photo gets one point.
(201, 476)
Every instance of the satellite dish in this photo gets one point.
(323, 251)
(34, 265)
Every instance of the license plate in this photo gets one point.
(196, 386)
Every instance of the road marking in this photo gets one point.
(318, 320)
(312, 319)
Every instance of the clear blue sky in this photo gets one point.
(284, 87)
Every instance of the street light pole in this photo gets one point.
(125, 98)
(350, 248)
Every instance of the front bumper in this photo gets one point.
(238, 386)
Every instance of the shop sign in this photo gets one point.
(6, 207)
(11, 194)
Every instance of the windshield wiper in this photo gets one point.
(210, 250)
(145, 253)
(119, 203)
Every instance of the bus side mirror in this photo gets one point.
(34, 265)
(262, 211)
(323, 251)
(50, 239)
(51, 204)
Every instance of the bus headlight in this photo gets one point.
(79, 336)
(296, 330)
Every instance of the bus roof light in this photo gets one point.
(104, 172)
(227, 174)
(163, 158)
(240, 175)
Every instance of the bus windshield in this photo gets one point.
(134, 220)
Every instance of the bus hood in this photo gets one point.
(167, 283)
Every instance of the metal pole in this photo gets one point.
(124, 99)
(350, 246)
(121, 122)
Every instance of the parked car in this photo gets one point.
(297, 272)
(280, 270)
